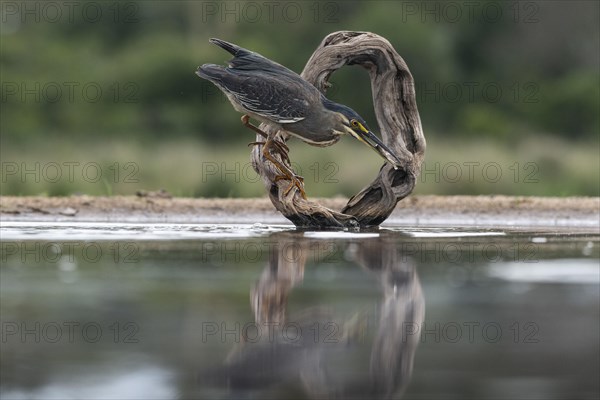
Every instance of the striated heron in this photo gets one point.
(273, 94)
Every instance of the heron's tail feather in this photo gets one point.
(244, 59)
(212, 72)
(229, 47)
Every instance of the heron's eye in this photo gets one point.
(354, 123)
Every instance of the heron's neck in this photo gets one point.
(330, 118)
(329, 104)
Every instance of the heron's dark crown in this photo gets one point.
(342, 109)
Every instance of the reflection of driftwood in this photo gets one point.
(398, 118)
(315, 360)
(401, 315)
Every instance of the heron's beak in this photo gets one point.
(371, 140)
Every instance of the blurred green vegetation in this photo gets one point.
(121, 88)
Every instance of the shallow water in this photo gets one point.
(162, 311)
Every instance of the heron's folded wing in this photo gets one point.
(268, 96)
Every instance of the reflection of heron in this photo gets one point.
(273, 94)
(319, 364)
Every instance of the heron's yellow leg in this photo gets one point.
(295, 180)
(281, 150)
(281, 147)
(247, 124)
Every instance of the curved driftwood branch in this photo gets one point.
(396, 110)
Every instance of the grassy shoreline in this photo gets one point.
(191, 168)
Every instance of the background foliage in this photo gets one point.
(519, 89)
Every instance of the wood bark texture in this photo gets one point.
(396, 111)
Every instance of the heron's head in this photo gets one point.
(349, 122)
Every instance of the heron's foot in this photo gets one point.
(286, 172)
(281, 148)
(295, 181)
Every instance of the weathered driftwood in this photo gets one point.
(395, 106)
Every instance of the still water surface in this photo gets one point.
(161, 311)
